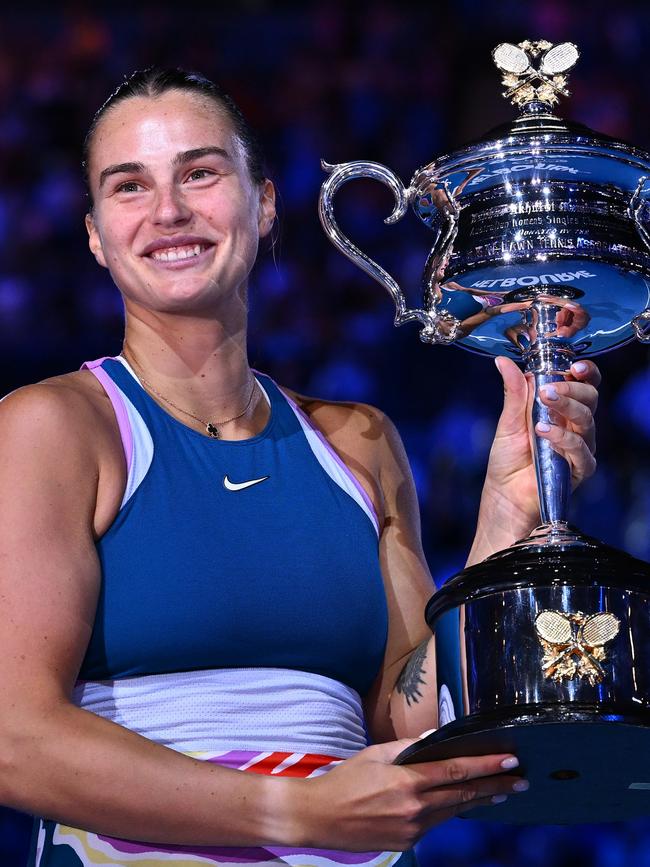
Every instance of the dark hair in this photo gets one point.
(155, 81)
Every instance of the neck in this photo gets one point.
(198, 364)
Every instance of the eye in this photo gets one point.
(199, 174)
(128, 187)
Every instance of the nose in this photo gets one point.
(169, 207)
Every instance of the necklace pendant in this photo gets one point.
(212, 431)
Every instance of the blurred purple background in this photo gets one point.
(377, 81)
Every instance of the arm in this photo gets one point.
(404, 701)
(55, 759)
(70, 765)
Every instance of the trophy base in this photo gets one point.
(584, 765)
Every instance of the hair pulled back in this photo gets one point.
(154, 81)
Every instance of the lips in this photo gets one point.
(177, 251)
(173, 242)
(177, 254)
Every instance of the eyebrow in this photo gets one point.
(180, 159)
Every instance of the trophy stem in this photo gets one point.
(547, 360)
(553, 471)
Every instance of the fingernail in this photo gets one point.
(580, 366)
(510, 763)
(499, 799)
(521, 786)
(550, 392)
(543, 427)
(426, 734)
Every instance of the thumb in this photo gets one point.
(515, 397)
(388, 752)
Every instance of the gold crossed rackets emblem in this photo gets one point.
(574, 643)
(526, 82)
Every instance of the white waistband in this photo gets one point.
(235, 708)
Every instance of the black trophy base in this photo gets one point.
(583, 765)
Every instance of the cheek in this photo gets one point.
(117, 233)
(114, 251)
(237, 224)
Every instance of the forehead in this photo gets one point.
(152, 130)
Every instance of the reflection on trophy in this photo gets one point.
(541, 251)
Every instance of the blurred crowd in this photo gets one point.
(378, 81)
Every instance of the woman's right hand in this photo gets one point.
(368, 804)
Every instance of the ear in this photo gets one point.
(266, 216)
(94, 240)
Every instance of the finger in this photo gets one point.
(581, 392)
(426, 734)
(480, 788)
(461, 770)
(480, 802)
(389, 751)
(439, 816)
(568, 411)
(496, 792)
(571, 319)
(515, 396)
(586, 371)
(572, 447)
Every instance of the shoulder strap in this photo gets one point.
(119, 407)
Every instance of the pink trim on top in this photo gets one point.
(119, 407)
(348, 472)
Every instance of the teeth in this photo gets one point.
(175, 254)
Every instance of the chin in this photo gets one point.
(206, 298)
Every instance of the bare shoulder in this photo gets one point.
(63, 430)
(364, 437)
(71, 403)
(360, 427)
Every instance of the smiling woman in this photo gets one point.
(217, 585)
(196, 168)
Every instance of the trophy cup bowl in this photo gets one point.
(541, 251)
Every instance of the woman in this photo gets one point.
(206, 573)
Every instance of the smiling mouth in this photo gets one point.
(178, 254)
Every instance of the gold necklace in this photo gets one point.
(211, 427)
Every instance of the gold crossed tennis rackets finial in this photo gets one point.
(528, 80)
(574, 643)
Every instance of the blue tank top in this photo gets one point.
(201, 572)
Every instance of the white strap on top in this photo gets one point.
(136, 439)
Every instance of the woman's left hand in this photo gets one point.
(509, 504)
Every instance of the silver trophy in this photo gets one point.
(541, 251)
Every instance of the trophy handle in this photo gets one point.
(641, 325)
(439, 326)
(638, 199)
(641, 322)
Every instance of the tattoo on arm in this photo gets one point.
(408, 683)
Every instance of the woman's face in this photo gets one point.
(177, 218)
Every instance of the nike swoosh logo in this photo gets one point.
(239, 486)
